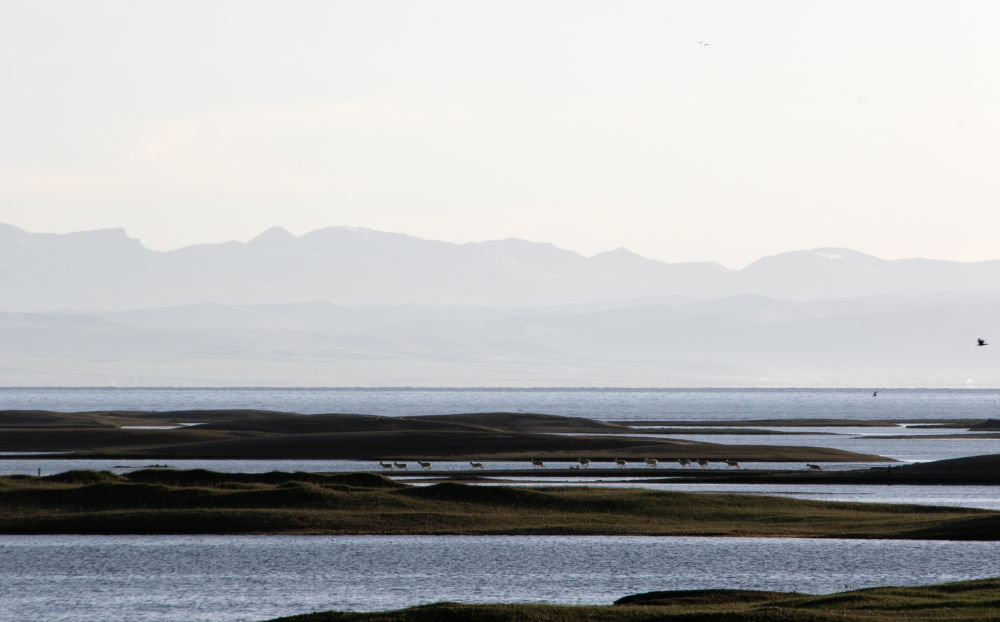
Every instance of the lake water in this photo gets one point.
(226, 578)
(604, 404)
(229, 579)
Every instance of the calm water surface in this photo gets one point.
(225, 578)
(604, 404)
(228, 579)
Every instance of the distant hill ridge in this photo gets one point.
(107, 270)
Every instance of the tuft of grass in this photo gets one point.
(83, 477)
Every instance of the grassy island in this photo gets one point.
(165, 501)
(265, 435)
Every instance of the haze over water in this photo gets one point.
(606, 404)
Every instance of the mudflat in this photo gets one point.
(242, 434)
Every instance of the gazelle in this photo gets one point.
(536, 462)
(385, 465)
(424, 465)
(476, 465)
(683, 462)
(400, 465)
(703, 462)
(815, 467)
(652, 462)
(733, 463)
(620, 462)
(584, 462)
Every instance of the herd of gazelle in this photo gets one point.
(585, 463)
(402, 465)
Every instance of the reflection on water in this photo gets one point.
(225, 578)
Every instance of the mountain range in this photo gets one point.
(355, 307)
(107, 270)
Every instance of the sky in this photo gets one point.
(590, 125)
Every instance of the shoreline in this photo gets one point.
(966, 601)
(242, 434)
(152, 438)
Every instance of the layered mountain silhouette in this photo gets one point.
(349, 307)
(107, 270)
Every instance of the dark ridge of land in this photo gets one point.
(973, 470)
(116, 418)
(164, 501)
(976, 469)
(247, 434)
(466, 445)
(808, 423)
(989, 424)
(531, 422)
(732, 431)
(964, 601)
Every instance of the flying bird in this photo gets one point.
(704, 44)
(981, 342)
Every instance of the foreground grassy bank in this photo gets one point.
(166, 501)
(967, 601)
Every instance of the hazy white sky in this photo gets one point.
(591, 125)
